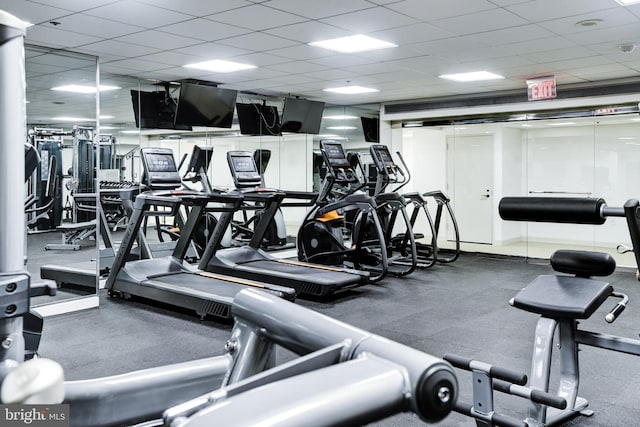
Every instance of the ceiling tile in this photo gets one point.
(370, 20)
(213, 51)
(257, 42)
(198, 7)
(113, 47)
(136, 64)
(319, 9)
(30, 12)
(298, 67)
(611, 18)
(302, 52)
(169, 58)
(204, 29)
(307, 32)
(256, 17)
(545, 10)
(513, 35)
(75, 5)
(480, 22)
(260, 59)
(86, 24)
(153, 38)
(409, 34)
(343, 60)
(49, 36)
(439, 9)
(140, 14)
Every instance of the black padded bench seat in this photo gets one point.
(563, 296)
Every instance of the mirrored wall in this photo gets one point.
(62, 149)
(592, 154)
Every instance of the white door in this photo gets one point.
(473, 186)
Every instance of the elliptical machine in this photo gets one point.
(329, 235)
(402, 251)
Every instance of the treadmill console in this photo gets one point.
(200, 158)
(336, 159)
(243, 169)
(160, 171)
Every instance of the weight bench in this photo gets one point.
(72, 235)
(561, 301)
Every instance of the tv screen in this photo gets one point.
(301, 116)
(155, 110)
(258, 119)
(370, 126)
(203, 105)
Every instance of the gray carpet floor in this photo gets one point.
(457, 308)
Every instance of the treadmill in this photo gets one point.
(251, 262)
(170, 279)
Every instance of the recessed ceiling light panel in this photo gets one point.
(220, 66)
(628, 2)
(340, 117)
(83, 89)
(352, 44)
(350, 90)
(473, 76)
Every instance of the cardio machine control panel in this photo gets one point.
(383, 161)
(243, 169)
(336, 159)
(160, 171)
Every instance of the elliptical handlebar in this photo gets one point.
(408, 174)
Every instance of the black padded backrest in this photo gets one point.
(583, 263)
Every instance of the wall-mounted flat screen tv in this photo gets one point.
(258, 119)
(204, 105)
(155, 110)
(301, 116)
(370, 126)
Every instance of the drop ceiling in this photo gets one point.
(519, 39)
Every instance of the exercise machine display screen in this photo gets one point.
(160, 171)
(334, 154)
(200, 158)
(382, 157)
(243, 164)
(161, 163)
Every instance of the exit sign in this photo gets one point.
(542, 88)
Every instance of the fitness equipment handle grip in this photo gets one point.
(548, 399)
(571, 210)
(498, 372)
(495, 418)
(615, 312)
(537, 396)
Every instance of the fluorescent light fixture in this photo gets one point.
(339, 117)
(628, 2)
(106, 117)
(352, 44)
(331, 135)
(220, 66)
(341, 127)
(473, 76)
(129, 131)
(526, 125)
(73, 119)
(83, 89)
(561, 124)
(350, 90)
